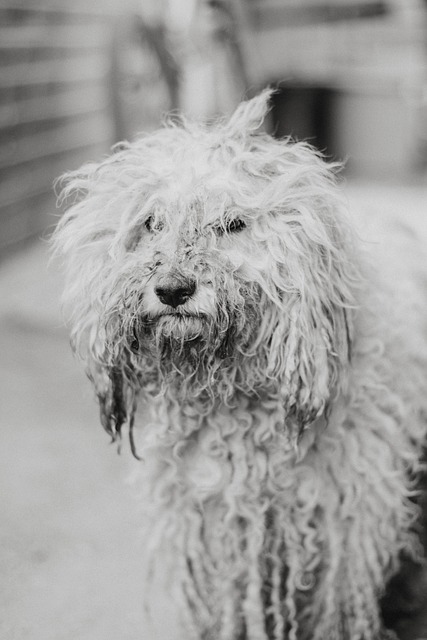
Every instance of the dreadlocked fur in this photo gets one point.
(278, 413)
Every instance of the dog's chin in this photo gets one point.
(179, 327)
(170, 333)
(181, 339)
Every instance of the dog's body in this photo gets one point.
(275, 382)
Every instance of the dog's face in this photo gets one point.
(213, 260)
(194, 250)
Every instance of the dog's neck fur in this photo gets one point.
(234, 472)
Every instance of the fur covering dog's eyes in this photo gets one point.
(231, 226)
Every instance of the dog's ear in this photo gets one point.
(249, 115)
(117, 402)
(306, 350)
(87, 240)
(110, 391)
(313, 276)
(309, 354)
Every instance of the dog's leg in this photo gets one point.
(404, 606)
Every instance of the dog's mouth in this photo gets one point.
(170, 326)
(181, 326)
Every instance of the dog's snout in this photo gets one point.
(174, 291)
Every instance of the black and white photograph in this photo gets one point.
(213, 319)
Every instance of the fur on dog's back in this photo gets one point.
(227, 313)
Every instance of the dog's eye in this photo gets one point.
(153, 225)
(231, 226)
(235, 225)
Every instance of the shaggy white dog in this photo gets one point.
(225, 312)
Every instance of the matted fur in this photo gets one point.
(278, 410)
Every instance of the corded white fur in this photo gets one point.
(279, 411)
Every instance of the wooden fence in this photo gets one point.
(56, 103)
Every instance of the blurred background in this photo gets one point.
(75, 77)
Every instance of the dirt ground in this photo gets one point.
(70, 557)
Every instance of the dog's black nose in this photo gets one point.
(174, 290)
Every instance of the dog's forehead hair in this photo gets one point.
(184, 212)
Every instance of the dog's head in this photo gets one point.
(211, 259)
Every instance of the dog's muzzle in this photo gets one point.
(176, 315)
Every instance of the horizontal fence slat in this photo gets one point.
(97, 8)
(68, 103)
(71, 136)
(277, 15)
(47, 36)
(80, 69)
